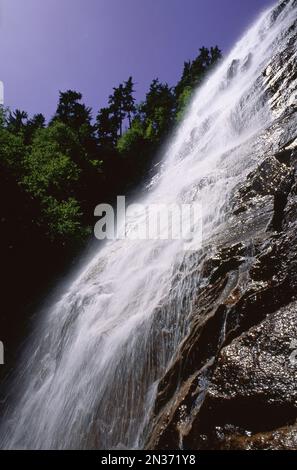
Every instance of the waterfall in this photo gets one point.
(89, 376)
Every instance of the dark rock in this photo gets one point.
(253, 389)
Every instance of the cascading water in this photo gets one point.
(89, 377)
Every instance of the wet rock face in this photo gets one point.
(253, 389)
(234, 381)
(261, 361)
(233, 384)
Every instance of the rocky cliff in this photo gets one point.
(233, 382)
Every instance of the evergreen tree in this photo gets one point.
(78, 117)
(106, 128)
(129, 100)
(215, 55)
(16, 121)
(71, 112)
(33, 125)
(117, 108)
(158, 110)
(194, 72)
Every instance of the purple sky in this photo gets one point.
(92, 45)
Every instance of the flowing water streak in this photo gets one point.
(89, 377)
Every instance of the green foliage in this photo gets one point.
(16, 121)
(33, 125)
(195, 71)
(116, 106)
(50, 177)
(107, 128)
(71, 112)
(129, 141)
(157, 110)
(182, 103)
(12, 151)
(63, 219)
(48, 165)
(49, 171)
(129, 100)
(3, 116)
(110, 120)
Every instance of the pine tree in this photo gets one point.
(17, 121)
(158, 109)
(129, 100)
(117, 105)
(33, 124)
(106, 128)
(71, 112)
(195, 71)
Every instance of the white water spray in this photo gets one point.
(89, 378)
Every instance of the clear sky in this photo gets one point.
(93, 45)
